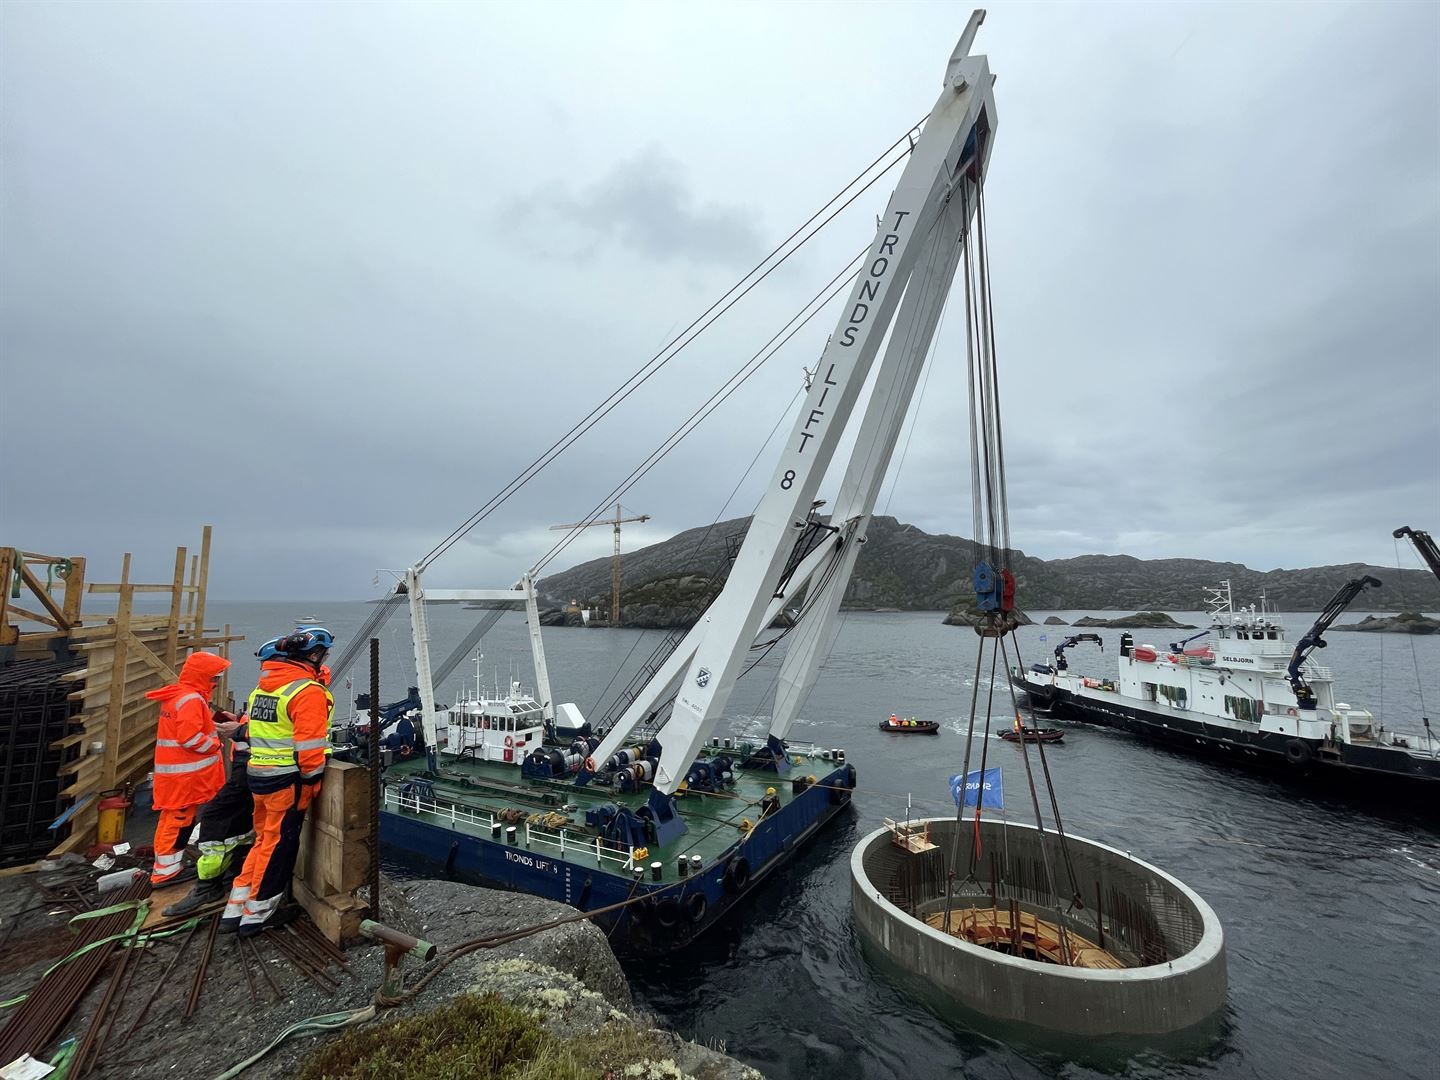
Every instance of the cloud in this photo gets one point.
(330, 276)
(644, 204)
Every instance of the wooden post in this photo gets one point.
(226, 699)
(8, 634)
(204, 578)
(117, 679)
(190, 594)
(172, 640)
(74, 592)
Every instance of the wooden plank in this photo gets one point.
(330, 863)
(123, 587)
(344, 800)
(204, 576)
(57, 617)
(117, 688)
(9, 635)
(146, 656)
(74, 591)
(176, 596)
(337, 917)
(18, 612)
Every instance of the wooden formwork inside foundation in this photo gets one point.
(119, 656)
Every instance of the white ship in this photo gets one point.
(1249, 696)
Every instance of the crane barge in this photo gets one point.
(658, 824)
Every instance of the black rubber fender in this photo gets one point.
(840, 794)
(695, 907)
(737, 875)
(667, 912)
(1298, 752)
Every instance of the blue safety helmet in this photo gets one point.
(304, 640)
(270, 649)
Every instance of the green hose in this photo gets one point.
(323, 1022)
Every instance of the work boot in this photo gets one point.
(204, 892)
(285, 913)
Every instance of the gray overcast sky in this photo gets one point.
(328, 275)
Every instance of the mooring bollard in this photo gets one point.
(397, 946)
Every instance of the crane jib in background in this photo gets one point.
(989, 789)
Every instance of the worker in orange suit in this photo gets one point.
(188, 769)
(289, 734)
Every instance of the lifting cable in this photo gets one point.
(994, 582)
(673, 348)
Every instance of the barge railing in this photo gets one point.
(484, 819)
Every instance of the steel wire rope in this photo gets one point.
(1077, 901)
(1419, 686)
(716, 399)
(677, 344)
(700, 543)
(1034, 801)
(714, 402)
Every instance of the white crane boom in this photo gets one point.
(880, 429)
(955, 136)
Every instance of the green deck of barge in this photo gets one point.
(488, 788)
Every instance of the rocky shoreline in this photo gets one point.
(566, 979)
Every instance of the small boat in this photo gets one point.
(910, 726)
(1030, 734)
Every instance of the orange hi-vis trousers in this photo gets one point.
(172, 833)
(262, 883)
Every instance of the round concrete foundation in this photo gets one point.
(1169, 939)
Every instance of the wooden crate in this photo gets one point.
(337, 917)
(331, 861)
(344, 800)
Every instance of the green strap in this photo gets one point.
(141, 908)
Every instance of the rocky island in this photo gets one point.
(1141, 620)
(903, 568)
(1407, 622)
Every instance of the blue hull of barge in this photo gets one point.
(676, 909)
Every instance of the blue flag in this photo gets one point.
(990, 790)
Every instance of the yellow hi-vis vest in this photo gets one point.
(272, 734)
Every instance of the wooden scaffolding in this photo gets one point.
(119, 656)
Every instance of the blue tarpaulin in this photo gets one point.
(990, 790)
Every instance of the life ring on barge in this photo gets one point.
(1298, 752)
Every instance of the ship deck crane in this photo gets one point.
(1424, 545)
(1070, 642)
(616, 521)
(1314, 637)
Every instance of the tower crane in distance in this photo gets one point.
(616, 521)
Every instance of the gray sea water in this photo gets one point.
(1331, 909)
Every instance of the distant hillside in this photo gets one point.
(901, 567)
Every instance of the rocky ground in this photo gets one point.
(567, 977)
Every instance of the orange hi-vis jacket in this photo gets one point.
(309, 714)
(188, 769)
